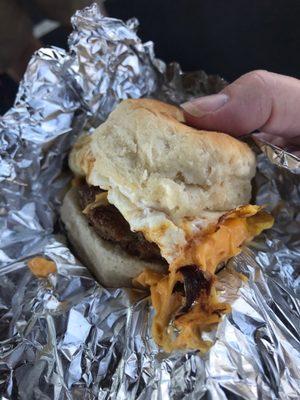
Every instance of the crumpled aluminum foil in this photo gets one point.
(66, 337)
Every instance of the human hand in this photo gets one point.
(259, 100)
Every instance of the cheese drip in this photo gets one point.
(173, 329)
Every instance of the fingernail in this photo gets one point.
(204, 105)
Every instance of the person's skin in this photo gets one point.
(259, 100)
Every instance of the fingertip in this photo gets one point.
(191, 120)
(211, 123)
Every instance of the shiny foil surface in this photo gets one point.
(65, 336)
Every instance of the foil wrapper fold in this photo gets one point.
(65, 336)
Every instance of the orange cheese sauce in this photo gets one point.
(41, 267)
(207, 250)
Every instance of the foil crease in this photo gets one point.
(65, 336)
(110, 63)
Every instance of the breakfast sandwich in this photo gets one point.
(158, 204)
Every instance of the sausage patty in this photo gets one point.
(110, 225)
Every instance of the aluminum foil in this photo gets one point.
(65, 336)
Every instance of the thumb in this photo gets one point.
(258, 100)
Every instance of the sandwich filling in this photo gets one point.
(109, 224)
(185, 299)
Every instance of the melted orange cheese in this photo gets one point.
(207, 250)
(41, 267)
